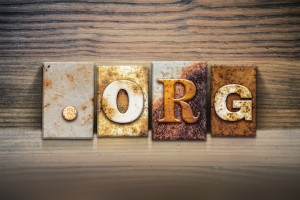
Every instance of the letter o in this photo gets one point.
(135, 104)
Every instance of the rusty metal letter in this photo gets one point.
(230, 114)
(244, 105)
(179, 100)
(109, 101)
(170, 100)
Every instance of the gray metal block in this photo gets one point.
(68, 100)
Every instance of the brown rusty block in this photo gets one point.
(68, 100)
(179, 100)
(122, 100)
(233, 100)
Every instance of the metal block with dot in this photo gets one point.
(68, 100)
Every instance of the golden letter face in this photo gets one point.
(233, 100)
(122, 100)
(245, 106)
(170, 100)
(179, 100)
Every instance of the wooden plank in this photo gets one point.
(33, 32)
(149, 29)
(25, 142)
(269, 164)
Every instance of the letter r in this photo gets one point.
(169, 101)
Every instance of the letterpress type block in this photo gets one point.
(122, 100)
(68, 100)
(233, 100)
(179, 100)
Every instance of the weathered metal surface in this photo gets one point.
(245, 106)
(68, 100)
(179, 100)
(233, 97)
(122, 100)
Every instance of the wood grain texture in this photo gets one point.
(265, 167)
(32, 32)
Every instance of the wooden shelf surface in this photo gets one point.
(267, 166)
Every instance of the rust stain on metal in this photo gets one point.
(83, 107)
(108, 74)
(46, 105)
(56, 96)
(70, 77)
(233, 114)
(92, 100)
(47, 84)
(85, 120)
(190, 113)
(108, 107)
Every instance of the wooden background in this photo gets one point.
(36, 31)
(264, 33)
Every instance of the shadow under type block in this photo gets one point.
(233, 100)
(179, 100)
(68, 100)
(122, 100)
